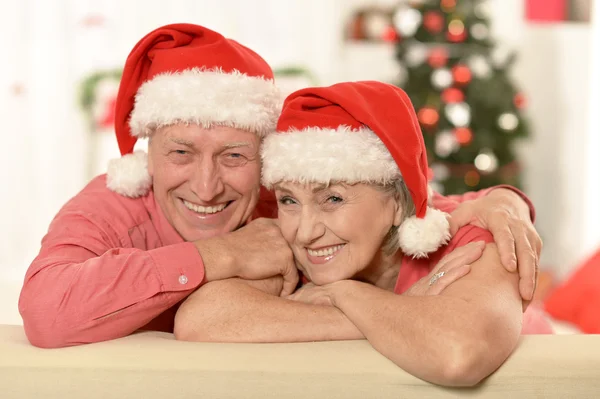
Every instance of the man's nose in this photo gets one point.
(208, 182)
(310, 227)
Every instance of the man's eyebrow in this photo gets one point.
(237, 145)
(182, 142)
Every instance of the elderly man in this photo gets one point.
(125, 252)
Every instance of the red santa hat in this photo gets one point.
(187, 73)
(357, 132)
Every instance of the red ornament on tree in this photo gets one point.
(463, 135)
(461, 74)
(452, 95)
(520, 101)
(428, 116)
(390, 35)
(438, 57)
(433, 21)
(448, 5)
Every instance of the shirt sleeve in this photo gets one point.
(472, 195)
(84, 288)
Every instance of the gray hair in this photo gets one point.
(398, 189)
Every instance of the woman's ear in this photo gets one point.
(399, 215)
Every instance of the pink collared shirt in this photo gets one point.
(111, 265)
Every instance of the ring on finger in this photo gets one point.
(436, 277)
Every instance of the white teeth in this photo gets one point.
(204, 209)
(325, 252)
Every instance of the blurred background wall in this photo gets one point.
(51, 147)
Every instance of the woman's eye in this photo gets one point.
(286, 201)
(335, 199)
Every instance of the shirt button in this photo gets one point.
(183, 279)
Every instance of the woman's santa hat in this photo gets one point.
(187, 73)
(359, 132)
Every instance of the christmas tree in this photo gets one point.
(458, 79)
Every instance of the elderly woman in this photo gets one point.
(349, 169)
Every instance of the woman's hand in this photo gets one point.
(313, 294)
(449, 269)
(507, 217)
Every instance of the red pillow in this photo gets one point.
(577, 300)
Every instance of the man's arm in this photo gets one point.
(240, 311)
(81, 289)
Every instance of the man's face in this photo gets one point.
(206, 181)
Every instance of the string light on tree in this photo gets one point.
(441, 78)
(400, 76)
(459, 114)
(446, 144)
(508, 122)
(486, 161)
(456, 31)
(440, 171)
(482, 10)
(500, 56)
(407, 20)
(416, 54)
(461, 74)
(479, 31)
(480, 66)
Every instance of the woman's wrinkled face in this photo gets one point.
(335, 231)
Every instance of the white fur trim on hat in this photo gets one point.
(326, 155)
(128, 175)
(206, 97)
(419, 237)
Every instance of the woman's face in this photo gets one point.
(335, 231)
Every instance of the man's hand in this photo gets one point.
(506, 216)
(257, 251)
(450, 268)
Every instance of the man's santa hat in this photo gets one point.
(187, 73)
(359, 132)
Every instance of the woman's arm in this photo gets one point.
(250, 311)
(456, 338)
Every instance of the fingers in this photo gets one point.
(466, 254)
(290, 279)
(461, 216)
(527, 261)
(505, 241)
(448, 278)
